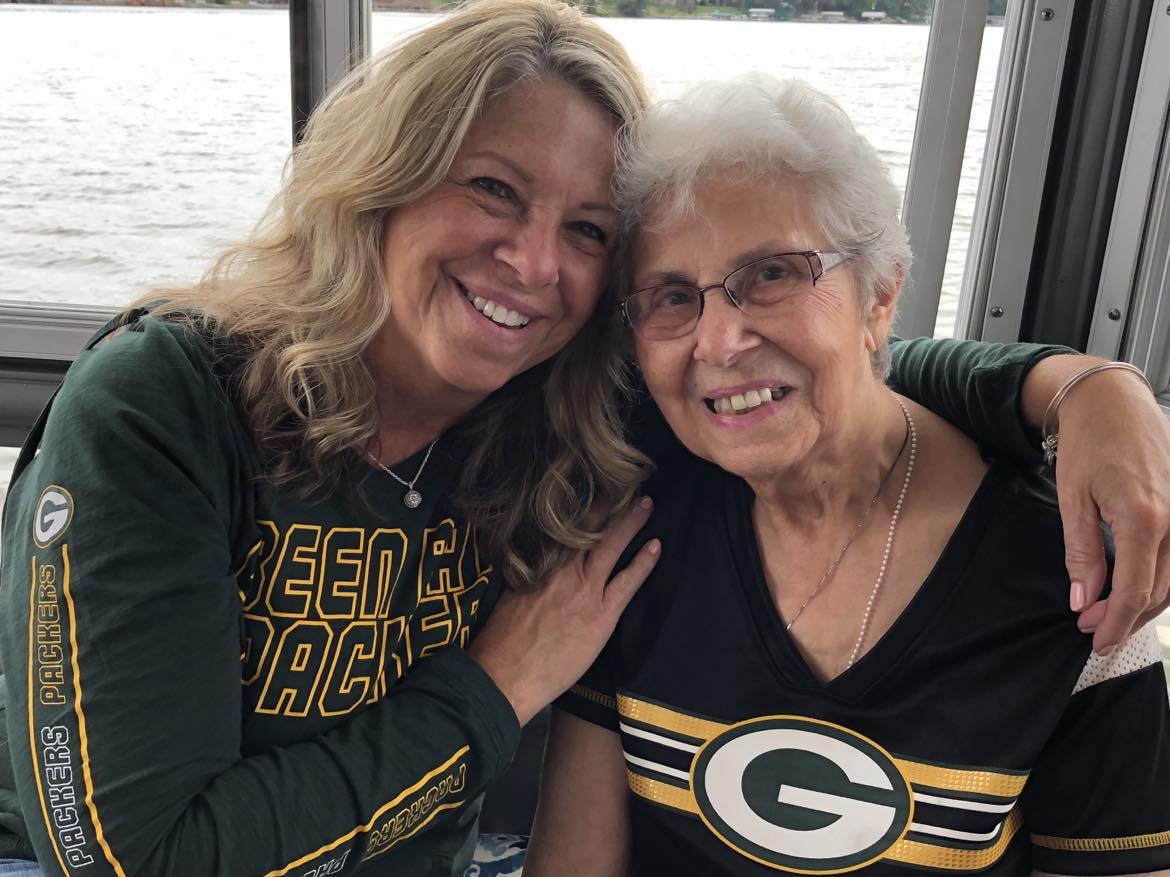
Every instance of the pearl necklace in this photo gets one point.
(412, 499)
(881, 576)
(912, 438)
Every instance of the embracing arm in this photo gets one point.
(582, 823)
(1113, 466)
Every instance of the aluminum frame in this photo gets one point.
(1011, 187)
(327, 39)
(936, 158)
(1131, 317)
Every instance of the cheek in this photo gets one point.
(663, 370)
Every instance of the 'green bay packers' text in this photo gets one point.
(332, 618)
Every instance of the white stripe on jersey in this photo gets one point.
(956, 835)
(980, 806)
(657, 738)
(1136, 653)
(661, 768)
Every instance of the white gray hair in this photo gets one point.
(761, 127)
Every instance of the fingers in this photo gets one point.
(1133, 584)
(1160, 598)
(600, 560)
(625, 584)
(1084, 551)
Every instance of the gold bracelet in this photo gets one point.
(1051, 438)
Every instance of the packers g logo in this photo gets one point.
(53, 513)
(801, 795)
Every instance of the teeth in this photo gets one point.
(742, 403)
(497, 312)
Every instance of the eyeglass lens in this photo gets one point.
(672, 310)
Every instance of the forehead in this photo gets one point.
(730, 215)
(552, 131)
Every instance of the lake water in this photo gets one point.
(137, 141)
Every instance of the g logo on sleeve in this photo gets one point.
(801, 795)
(53, 513)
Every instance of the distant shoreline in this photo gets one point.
(427, 6)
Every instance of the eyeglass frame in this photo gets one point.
(833, 258)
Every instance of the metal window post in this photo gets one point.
(1011, 187)
(936, 160)
(328, 38)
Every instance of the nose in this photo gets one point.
(532, 250)
(722, 334)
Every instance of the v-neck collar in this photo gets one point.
(896, 643)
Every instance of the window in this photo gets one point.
(138, 142)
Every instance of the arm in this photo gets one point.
(121, 645)
(582, 823)
(1114, 462)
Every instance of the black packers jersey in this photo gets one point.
(978, 734)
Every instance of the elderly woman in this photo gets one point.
(248, 548)
(855, 652)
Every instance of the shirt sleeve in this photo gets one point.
(1097, 801)
(593, 697)
(976, 385)
(121, 645)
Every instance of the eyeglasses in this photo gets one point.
(660, 313)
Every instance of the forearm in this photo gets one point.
(986, 390)
(582, 824)
(355, 791)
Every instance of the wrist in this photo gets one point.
(510, 683)
(1044, 381)
(1092, 391)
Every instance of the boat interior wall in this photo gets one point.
(1132, 314)
(1102, 62)
(1015, 160)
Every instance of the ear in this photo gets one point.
(879, 316)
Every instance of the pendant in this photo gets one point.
(412, 499)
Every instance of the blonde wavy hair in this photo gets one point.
(301, 298)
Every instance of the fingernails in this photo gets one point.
(1092, 628)
(1076, 598)
(1107, 651)
(646, 503)
(654, 546)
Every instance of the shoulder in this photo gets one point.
(151, 368)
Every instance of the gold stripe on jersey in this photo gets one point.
(83, 735)
(1102, 844)
(670, 720)
(935, 855)
(663, 793)
(597, 697)
(953, 779)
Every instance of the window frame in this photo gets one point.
(1131, 318)
(1015, 167)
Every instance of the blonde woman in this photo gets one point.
(247, 577)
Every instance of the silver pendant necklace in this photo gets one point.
(412, 499)
(911, 438)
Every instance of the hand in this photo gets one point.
(537, 644)
(1113, 465)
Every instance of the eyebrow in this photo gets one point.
(504, 160)
(665, 276)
